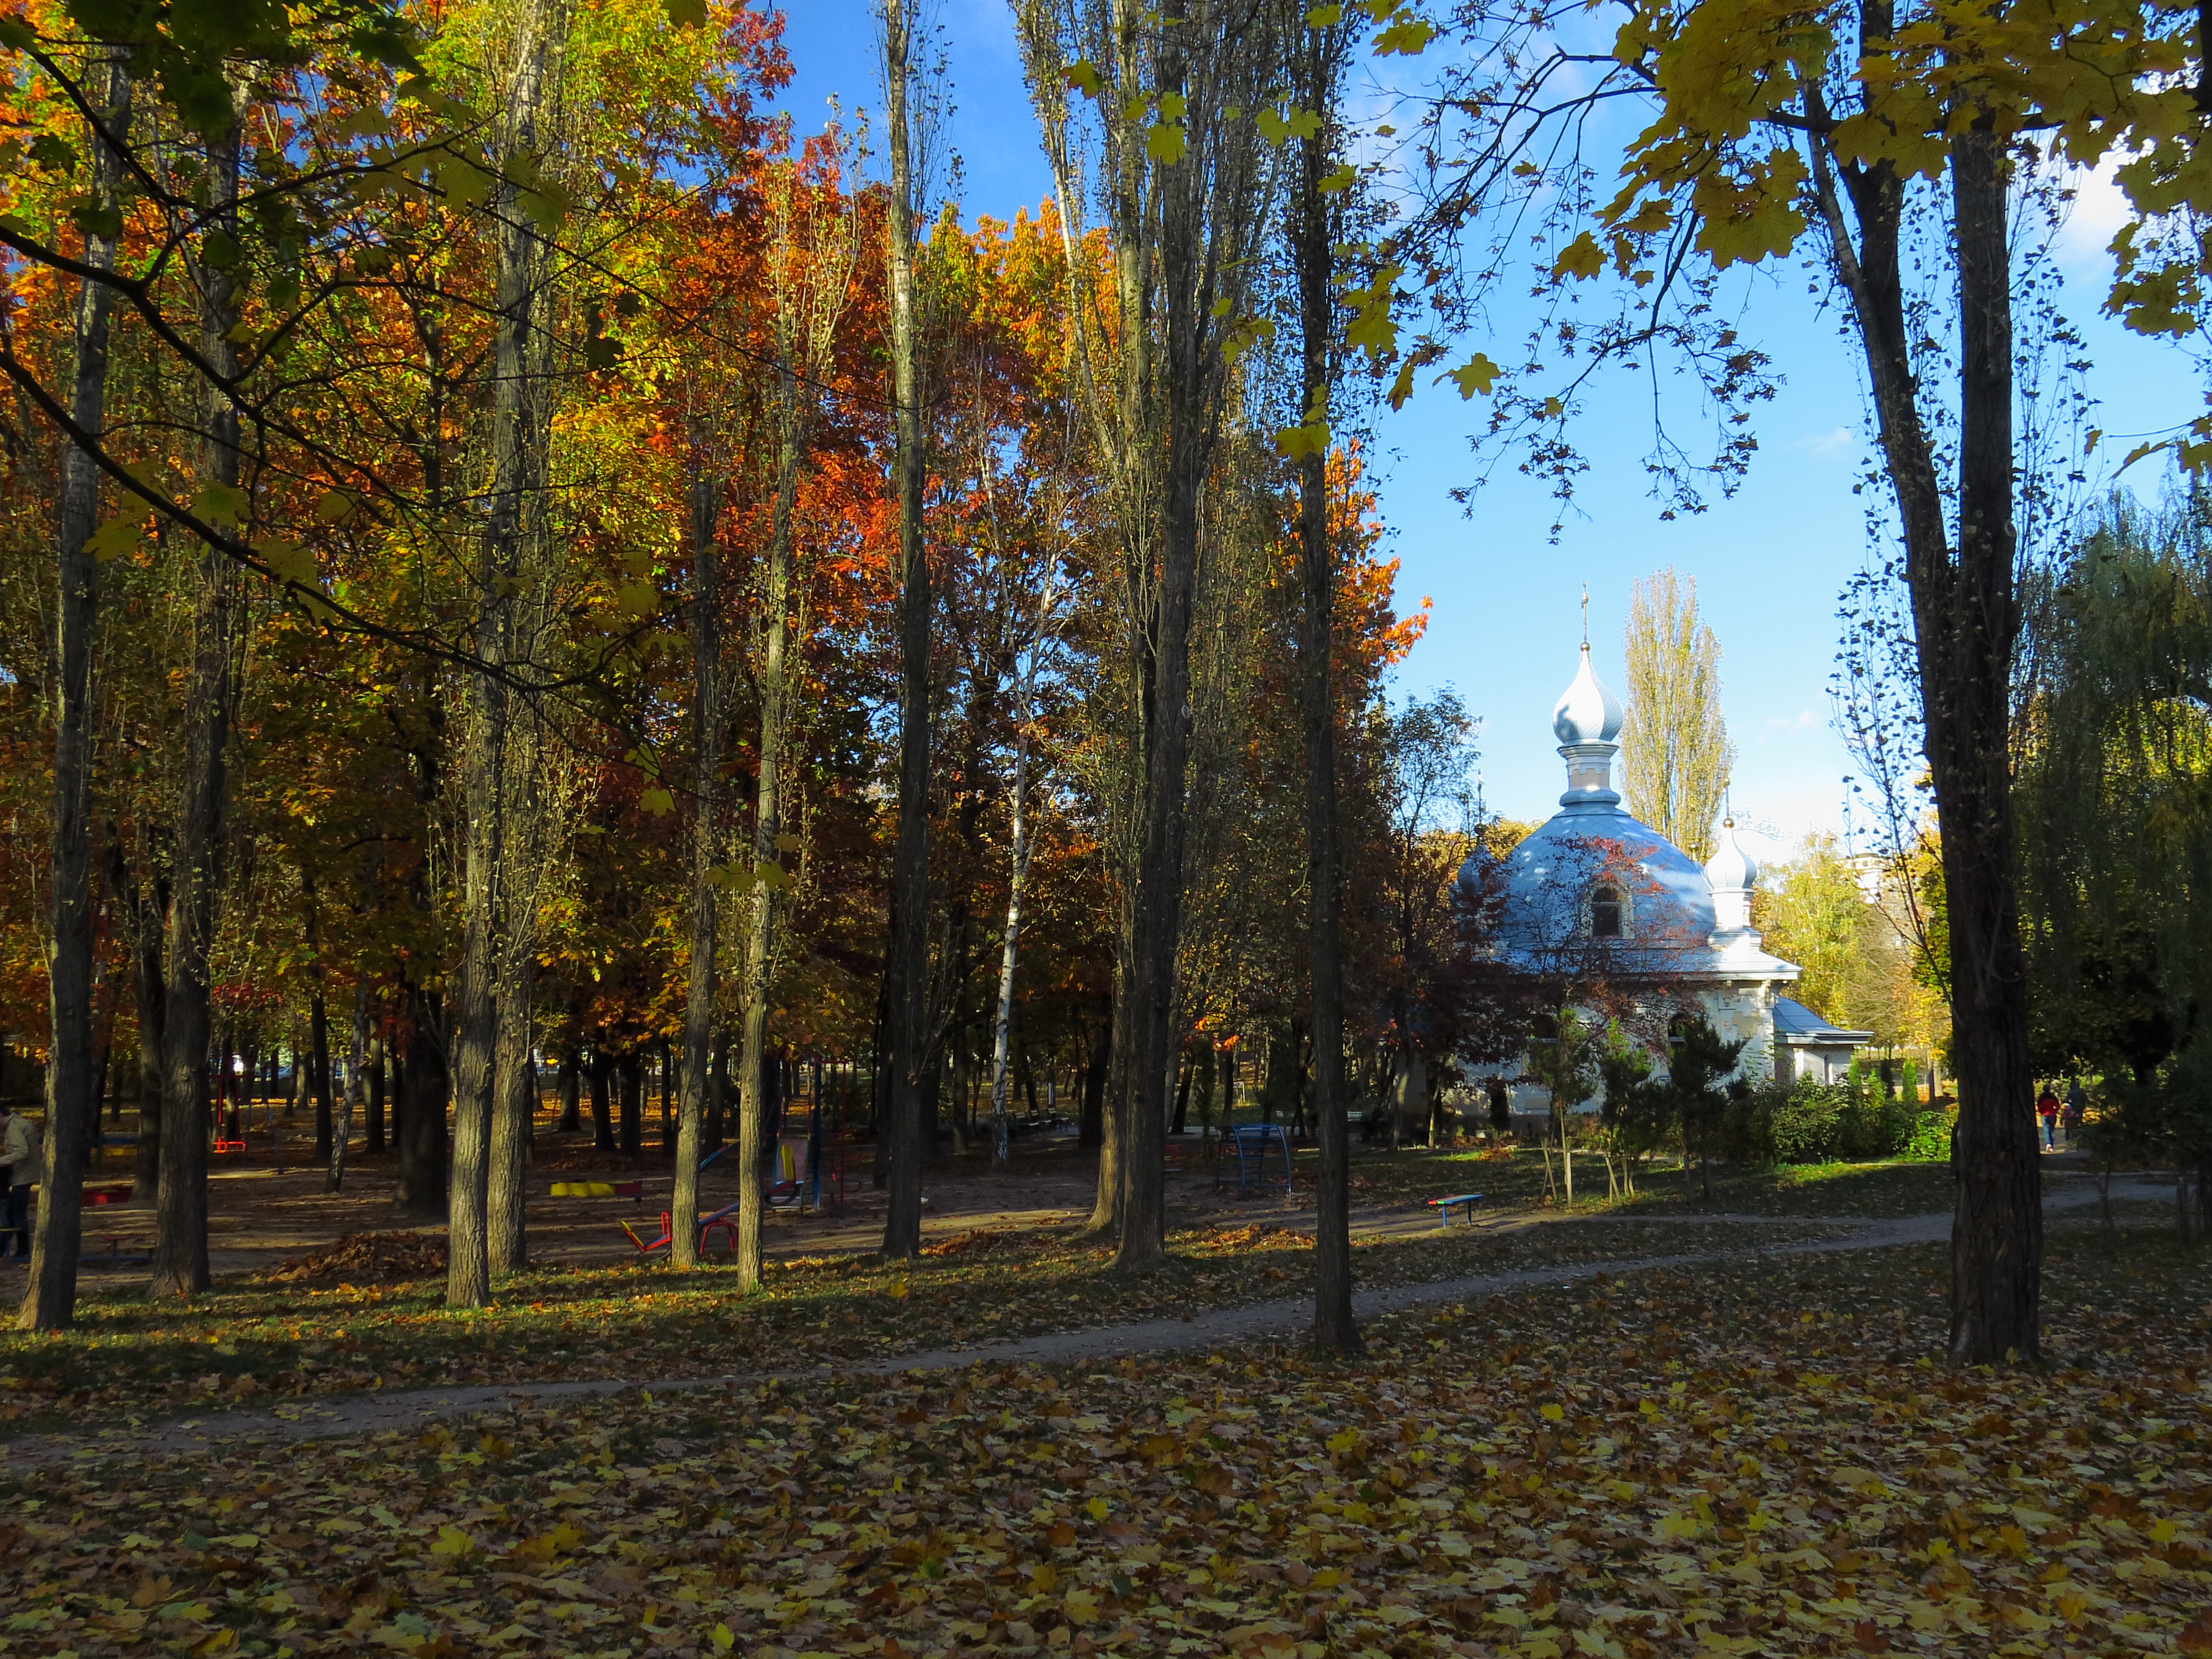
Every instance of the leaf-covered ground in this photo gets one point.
(1758, 1458)
(244, 1345)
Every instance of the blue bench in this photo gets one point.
(1464, 1202)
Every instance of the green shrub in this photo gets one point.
(1808, 1124)
(1929, 1137)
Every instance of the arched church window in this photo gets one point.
(1605, 913)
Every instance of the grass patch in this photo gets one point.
(1884, 1190)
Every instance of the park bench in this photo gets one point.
(1464, 1202)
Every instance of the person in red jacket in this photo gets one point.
(2047, 1108)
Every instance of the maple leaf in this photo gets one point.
(1582, 258)
(1475, 376)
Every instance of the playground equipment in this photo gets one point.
(1252, 1143)
(720, 1222)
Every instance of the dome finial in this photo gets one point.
(1586, 719)
(1732, 873)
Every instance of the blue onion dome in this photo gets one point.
(1730, 869)
(1586, 712)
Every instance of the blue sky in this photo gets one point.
(1505, 616)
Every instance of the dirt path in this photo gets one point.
(1285, 1319)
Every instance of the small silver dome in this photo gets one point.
(1730, 869)
(1586, 711)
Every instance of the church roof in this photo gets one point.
(1593, 893)
(1795, 1023)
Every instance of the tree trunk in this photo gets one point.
(706, 772)
(1113, 1126)
(572, 1066)
(318, 1039)
(357, 1064)
(718, 1093)
(514, 1107)
(910, 1055)
(1018, 877)
(72, 1106)
(1090, 1112)
(1968, 638)
(768, 875)
(180, 1258)
(1965, 616)
(518, 438)
(629, 1073)
(602, 1126)
(143, 901)
(419, 1189)
(374, 1141)
(1312, 251)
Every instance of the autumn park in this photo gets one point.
(758, 896)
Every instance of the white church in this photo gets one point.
(1594, 898)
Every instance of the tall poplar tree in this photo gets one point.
(1185, 181)
(521, 425)
(909, 964)
(1317, 54)
(1675, 756)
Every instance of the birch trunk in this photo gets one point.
(1018, 877)
(352, 1101)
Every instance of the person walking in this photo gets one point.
(2077, 1105)
(2047, 1108)
(19, 1153)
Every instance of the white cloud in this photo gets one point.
(2098, 211)
(1826, 443)
(1803, 721)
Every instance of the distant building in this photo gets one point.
(1593, 899)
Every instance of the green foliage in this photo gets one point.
(1811, 1122)
(1929, 1141)
(1639, 1113)
(1566, 1065)
(1811, 912)
(1697, 1059)
(2167, 1119)
(2115, 815)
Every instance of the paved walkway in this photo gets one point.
(1287, 1319)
